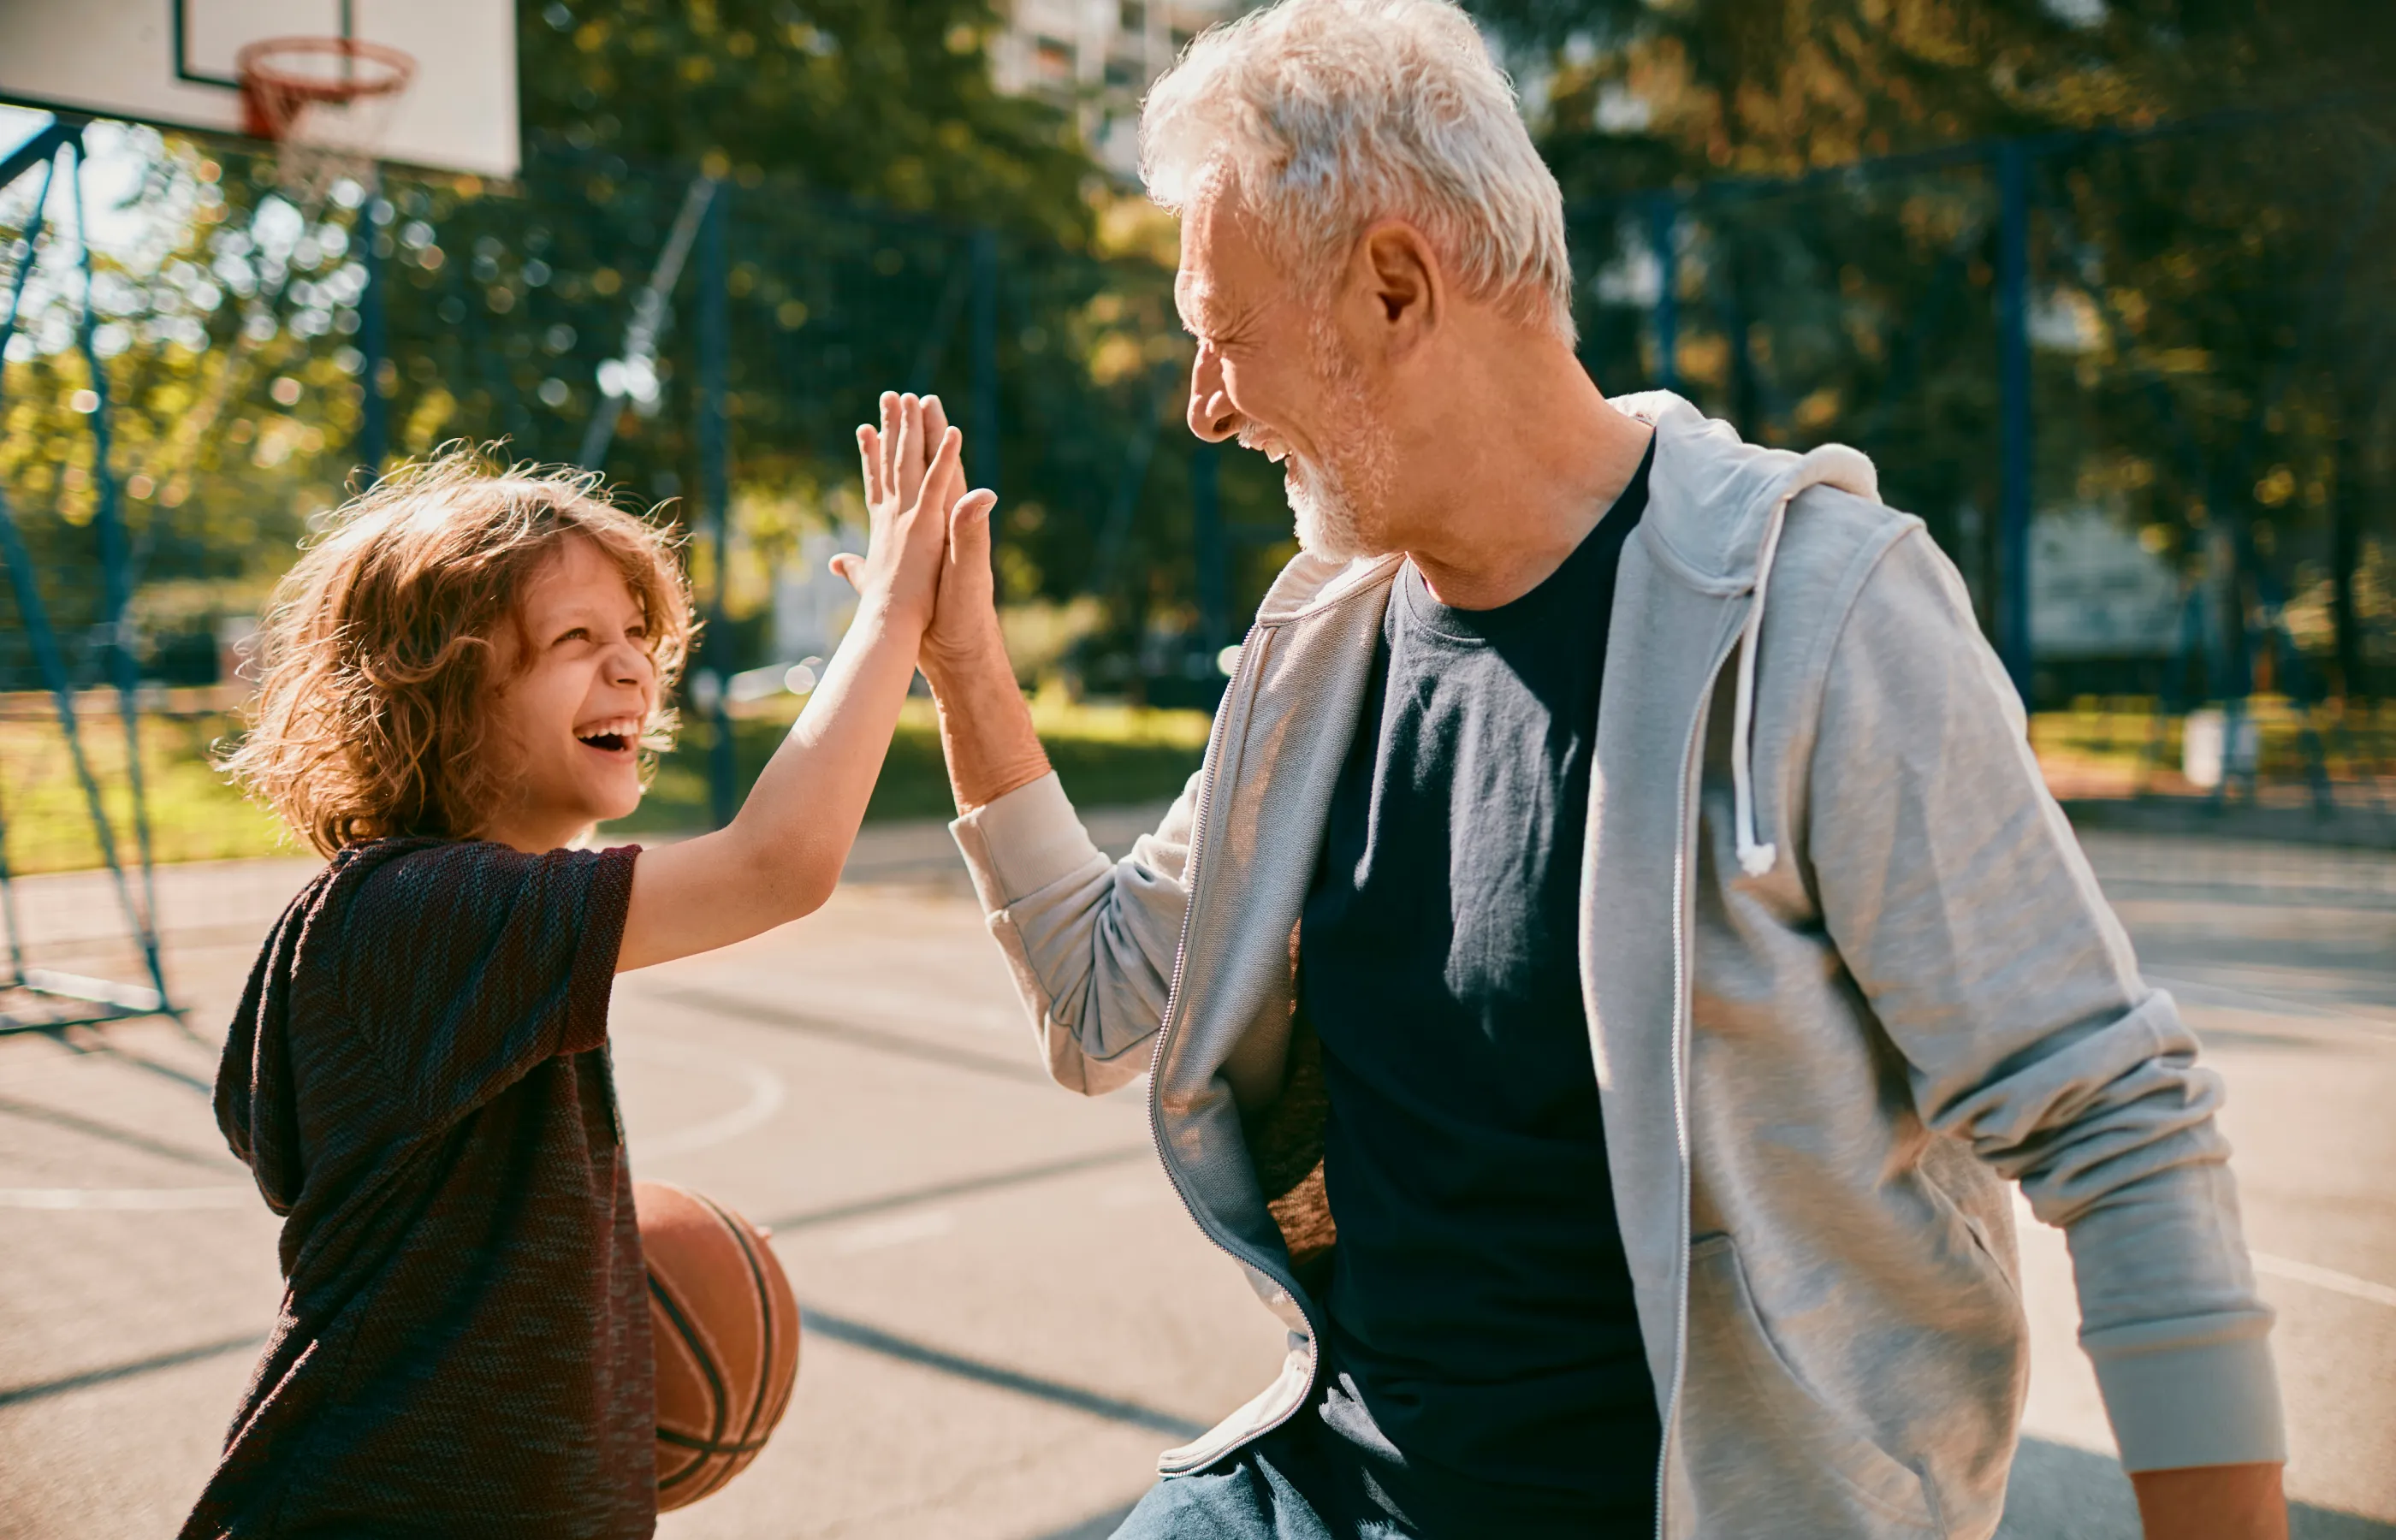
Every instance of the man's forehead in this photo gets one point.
(1195, 296)
(1216, 254)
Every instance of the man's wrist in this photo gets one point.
(954, 673)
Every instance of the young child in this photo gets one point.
(459, 679)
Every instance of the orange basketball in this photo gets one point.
(727, 1332)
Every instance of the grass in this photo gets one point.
(2106, 747)
(194, 815)
(1105, 755)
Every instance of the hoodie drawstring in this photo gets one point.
(1755, 857)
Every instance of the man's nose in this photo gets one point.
(1212, 416)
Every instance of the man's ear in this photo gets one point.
(1401, 279)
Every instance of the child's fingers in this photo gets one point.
(910, 446)
(868, 449)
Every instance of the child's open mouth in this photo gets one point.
(619, 736)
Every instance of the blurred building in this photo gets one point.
(1098, 58)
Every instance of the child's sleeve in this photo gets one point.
(465, 965)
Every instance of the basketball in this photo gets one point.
(726, 1333)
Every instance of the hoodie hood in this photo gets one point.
(1715, 502)
(256, 1099)
(1715, 508)
(1716, 505)
(255, 1103)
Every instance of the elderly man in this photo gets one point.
(1618, 948)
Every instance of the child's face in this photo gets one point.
(579, 691)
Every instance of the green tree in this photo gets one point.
(2212, 306)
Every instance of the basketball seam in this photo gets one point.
(684, 1441)
(765, 1308)
(765, 1304)
(707, 1365)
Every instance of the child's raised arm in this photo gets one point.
(780, 856)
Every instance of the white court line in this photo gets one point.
(150, 1199)
(766, 1093)
(2324, 1278)
(903, 1230)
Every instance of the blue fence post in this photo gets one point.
(715, 472)
(2013, 506)
(1663, 222)
(374, 337)
(984, 447)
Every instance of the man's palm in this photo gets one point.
(964, 619)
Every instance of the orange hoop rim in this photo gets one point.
(275, 94)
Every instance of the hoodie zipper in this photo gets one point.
(1233, 698)
(1692, 768)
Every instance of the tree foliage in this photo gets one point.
(2211, 291)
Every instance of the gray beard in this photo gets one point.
(1339, 502)
(1328, 522)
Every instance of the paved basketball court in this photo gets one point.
(1006, 1311)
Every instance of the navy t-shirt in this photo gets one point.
(1484, 1373)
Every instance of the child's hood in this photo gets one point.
(257, 1103)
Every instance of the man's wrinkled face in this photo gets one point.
(1274, 372)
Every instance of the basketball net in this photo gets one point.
(325, 103)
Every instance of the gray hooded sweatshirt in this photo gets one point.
(1846, 974)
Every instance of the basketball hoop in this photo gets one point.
(323, 101)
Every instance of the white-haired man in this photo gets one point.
(1598, 1008)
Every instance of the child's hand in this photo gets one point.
(911, 483)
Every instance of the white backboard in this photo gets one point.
(171, 62)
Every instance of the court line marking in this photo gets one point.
(768, 1093)
(962, 1186)
(132, 1199)
(18, 1395)
(898, 1044)
(873, 1339)
(2323, 1277)
(899, 1230)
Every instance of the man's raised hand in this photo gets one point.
(965, 623)
(912, 487)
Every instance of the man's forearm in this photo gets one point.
(985, 727)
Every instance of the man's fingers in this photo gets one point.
(969, 521)
(851, 569)
(868, 449)
(935, 427)
(889, 440)
(943, 474)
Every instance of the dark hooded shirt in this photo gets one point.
(418, 1076)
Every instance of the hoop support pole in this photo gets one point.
(16, 557)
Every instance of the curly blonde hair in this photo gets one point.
(380, 652)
